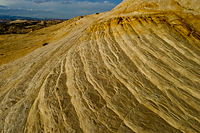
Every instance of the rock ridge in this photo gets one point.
(116, 72)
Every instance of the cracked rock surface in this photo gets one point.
(135, 69)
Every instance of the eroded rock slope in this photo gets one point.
(124, 71)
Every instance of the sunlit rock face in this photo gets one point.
(135, 69)
(158, 5)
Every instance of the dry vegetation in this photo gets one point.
(23, 27)
(32, 35)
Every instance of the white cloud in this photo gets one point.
(106, 2)
(41, 1)
(56, 8)
(1, 6)
(65, 2)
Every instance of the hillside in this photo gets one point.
(25, 26)
(135, 69)
(20, 38)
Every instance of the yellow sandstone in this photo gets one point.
(135, 69)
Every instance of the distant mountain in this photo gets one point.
(15, 17)
(8, 17)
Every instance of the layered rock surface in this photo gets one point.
(125, 71)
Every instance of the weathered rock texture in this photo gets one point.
(134, 69)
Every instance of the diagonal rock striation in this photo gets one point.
(135, 69)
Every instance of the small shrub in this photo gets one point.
(44, 44)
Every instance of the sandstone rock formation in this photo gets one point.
(135, 69)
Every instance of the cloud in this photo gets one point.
(26, 13)
(41, 1)
(65, 2)
(60, 9)
(1, 6)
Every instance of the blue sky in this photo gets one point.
(59, 9)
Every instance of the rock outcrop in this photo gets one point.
(135, 69)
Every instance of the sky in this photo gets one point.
(58, 9)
